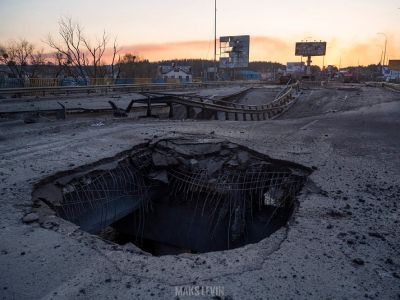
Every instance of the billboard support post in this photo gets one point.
(309, 49)
(309, 61)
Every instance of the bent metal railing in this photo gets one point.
(389, 85)
(256, 112)
(155, 94)
(139, 87)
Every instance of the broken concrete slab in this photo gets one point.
(30, 218)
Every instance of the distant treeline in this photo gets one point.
(144, 68)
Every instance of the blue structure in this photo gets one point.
(248, 75)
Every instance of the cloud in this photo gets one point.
(173, 50)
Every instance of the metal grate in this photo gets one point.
(228, 200)
(235, 194)
(106, 192)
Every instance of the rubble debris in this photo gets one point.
(30, 218)
(358, 261)
(31, 118)
(62, 113)
(163, 160)
(190, 194)
(119, 112)
(97, 124)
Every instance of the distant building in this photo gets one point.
(295, 68)
(248, 75)
(391, 73)
(394, 64)
(175, 73)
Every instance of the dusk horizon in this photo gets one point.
(199, 149)
(273, 36)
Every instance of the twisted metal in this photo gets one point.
(235, 194)
(230, 197)
(104, 190)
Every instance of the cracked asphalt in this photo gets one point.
(341, 243)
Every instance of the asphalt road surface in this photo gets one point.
(342, 243)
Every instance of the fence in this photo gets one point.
(69, 81)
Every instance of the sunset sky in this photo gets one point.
(168, 29)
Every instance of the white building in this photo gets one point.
(175, 73)
(295, 67)
(391, 73)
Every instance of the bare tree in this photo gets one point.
(69, 49)
(77, 52)
(95, 53)
(115, 65)
(37, 62)
(18, 55)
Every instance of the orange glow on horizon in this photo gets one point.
(264, 48)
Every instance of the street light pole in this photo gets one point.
(215, 40)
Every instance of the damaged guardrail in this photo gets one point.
(394, 86)
(256, 112)
(55, 90)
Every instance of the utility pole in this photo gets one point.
(215, 40)
(384, 52)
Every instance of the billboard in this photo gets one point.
(311, 49)
(234, 51)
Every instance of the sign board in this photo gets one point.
(311, 49)
(234, 51)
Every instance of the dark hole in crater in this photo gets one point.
(180, 195)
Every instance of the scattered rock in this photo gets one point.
(377, 235)
(193, 162)
(358, 261)
(243, 157)
(232, 163)
(324, 193)
(192, 147)
(389, 261)
(160, 176)
(335, 214)
(213, 166)
(30, 218)
(162, 160)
